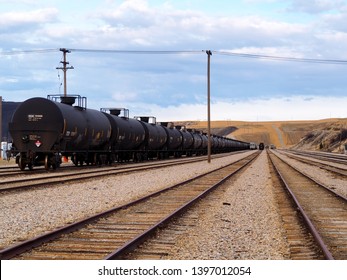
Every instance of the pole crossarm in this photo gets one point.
(65, 68)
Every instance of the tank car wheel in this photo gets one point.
(136, 157)
(109, 160)
(31, 166)
(99, 160)
(74, 160)
(21, 163)
(54, 166)
(47, 162)
(96, 159)
(145, 156)
(54, 162)
(139, 157)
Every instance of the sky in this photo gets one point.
(167, 76)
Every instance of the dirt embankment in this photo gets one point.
(331, 137)
(324, 135)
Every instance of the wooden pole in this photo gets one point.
(0, 119)
(209, 53)
(65, 68)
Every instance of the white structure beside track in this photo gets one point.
(5, 146)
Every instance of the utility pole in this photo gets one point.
(65, 68)
(0, 120)
(209, 53)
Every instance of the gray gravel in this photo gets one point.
(322, 176)
(242, 223)
(30, 213)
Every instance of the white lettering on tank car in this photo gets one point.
(34, 118)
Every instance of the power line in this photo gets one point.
(138, 51)
(246, 55)
(282, 58)
(169, 52)
(17, 52)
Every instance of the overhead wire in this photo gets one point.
(138, 51)
(246, 55)
(282, 58)
(168, 52)
(17, 52)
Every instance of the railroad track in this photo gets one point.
(111, 234)
(11, 171)
(302, 245)
(8, 170)
(324, 211)
(340, 171)
(77, 174)
(336, 158)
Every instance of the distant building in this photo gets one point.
(6, 111)
(5, 147)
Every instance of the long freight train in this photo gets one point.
(44, 130)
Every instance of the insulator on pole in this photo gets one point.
(65, 68)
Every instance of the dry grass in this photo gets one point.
(280, 133)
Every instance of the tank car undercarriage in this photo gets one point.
(31, 159)
(54, 160)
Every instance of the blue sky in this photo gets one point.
(173, 86)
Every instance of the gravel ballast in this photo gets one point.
(322, 176)
(243, 222)
(30, 213)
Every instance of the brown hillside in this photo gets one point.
(284, 134)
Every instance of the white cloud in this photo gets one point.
(284, 108)
(167, 26)
(270, 51)
(316, 6)
(8, 80)
(27, 2)
(336, 21)
(134, 13)
(168, 80)
(122, 97)
(15, 21)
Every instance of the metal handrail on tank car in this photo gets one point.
(81, 100)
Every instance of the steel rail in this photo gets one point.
(315, 181)
(308, 221)
(20, 248)
(326, 166)
(93, 173)
(129, 246)
(336, 158)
